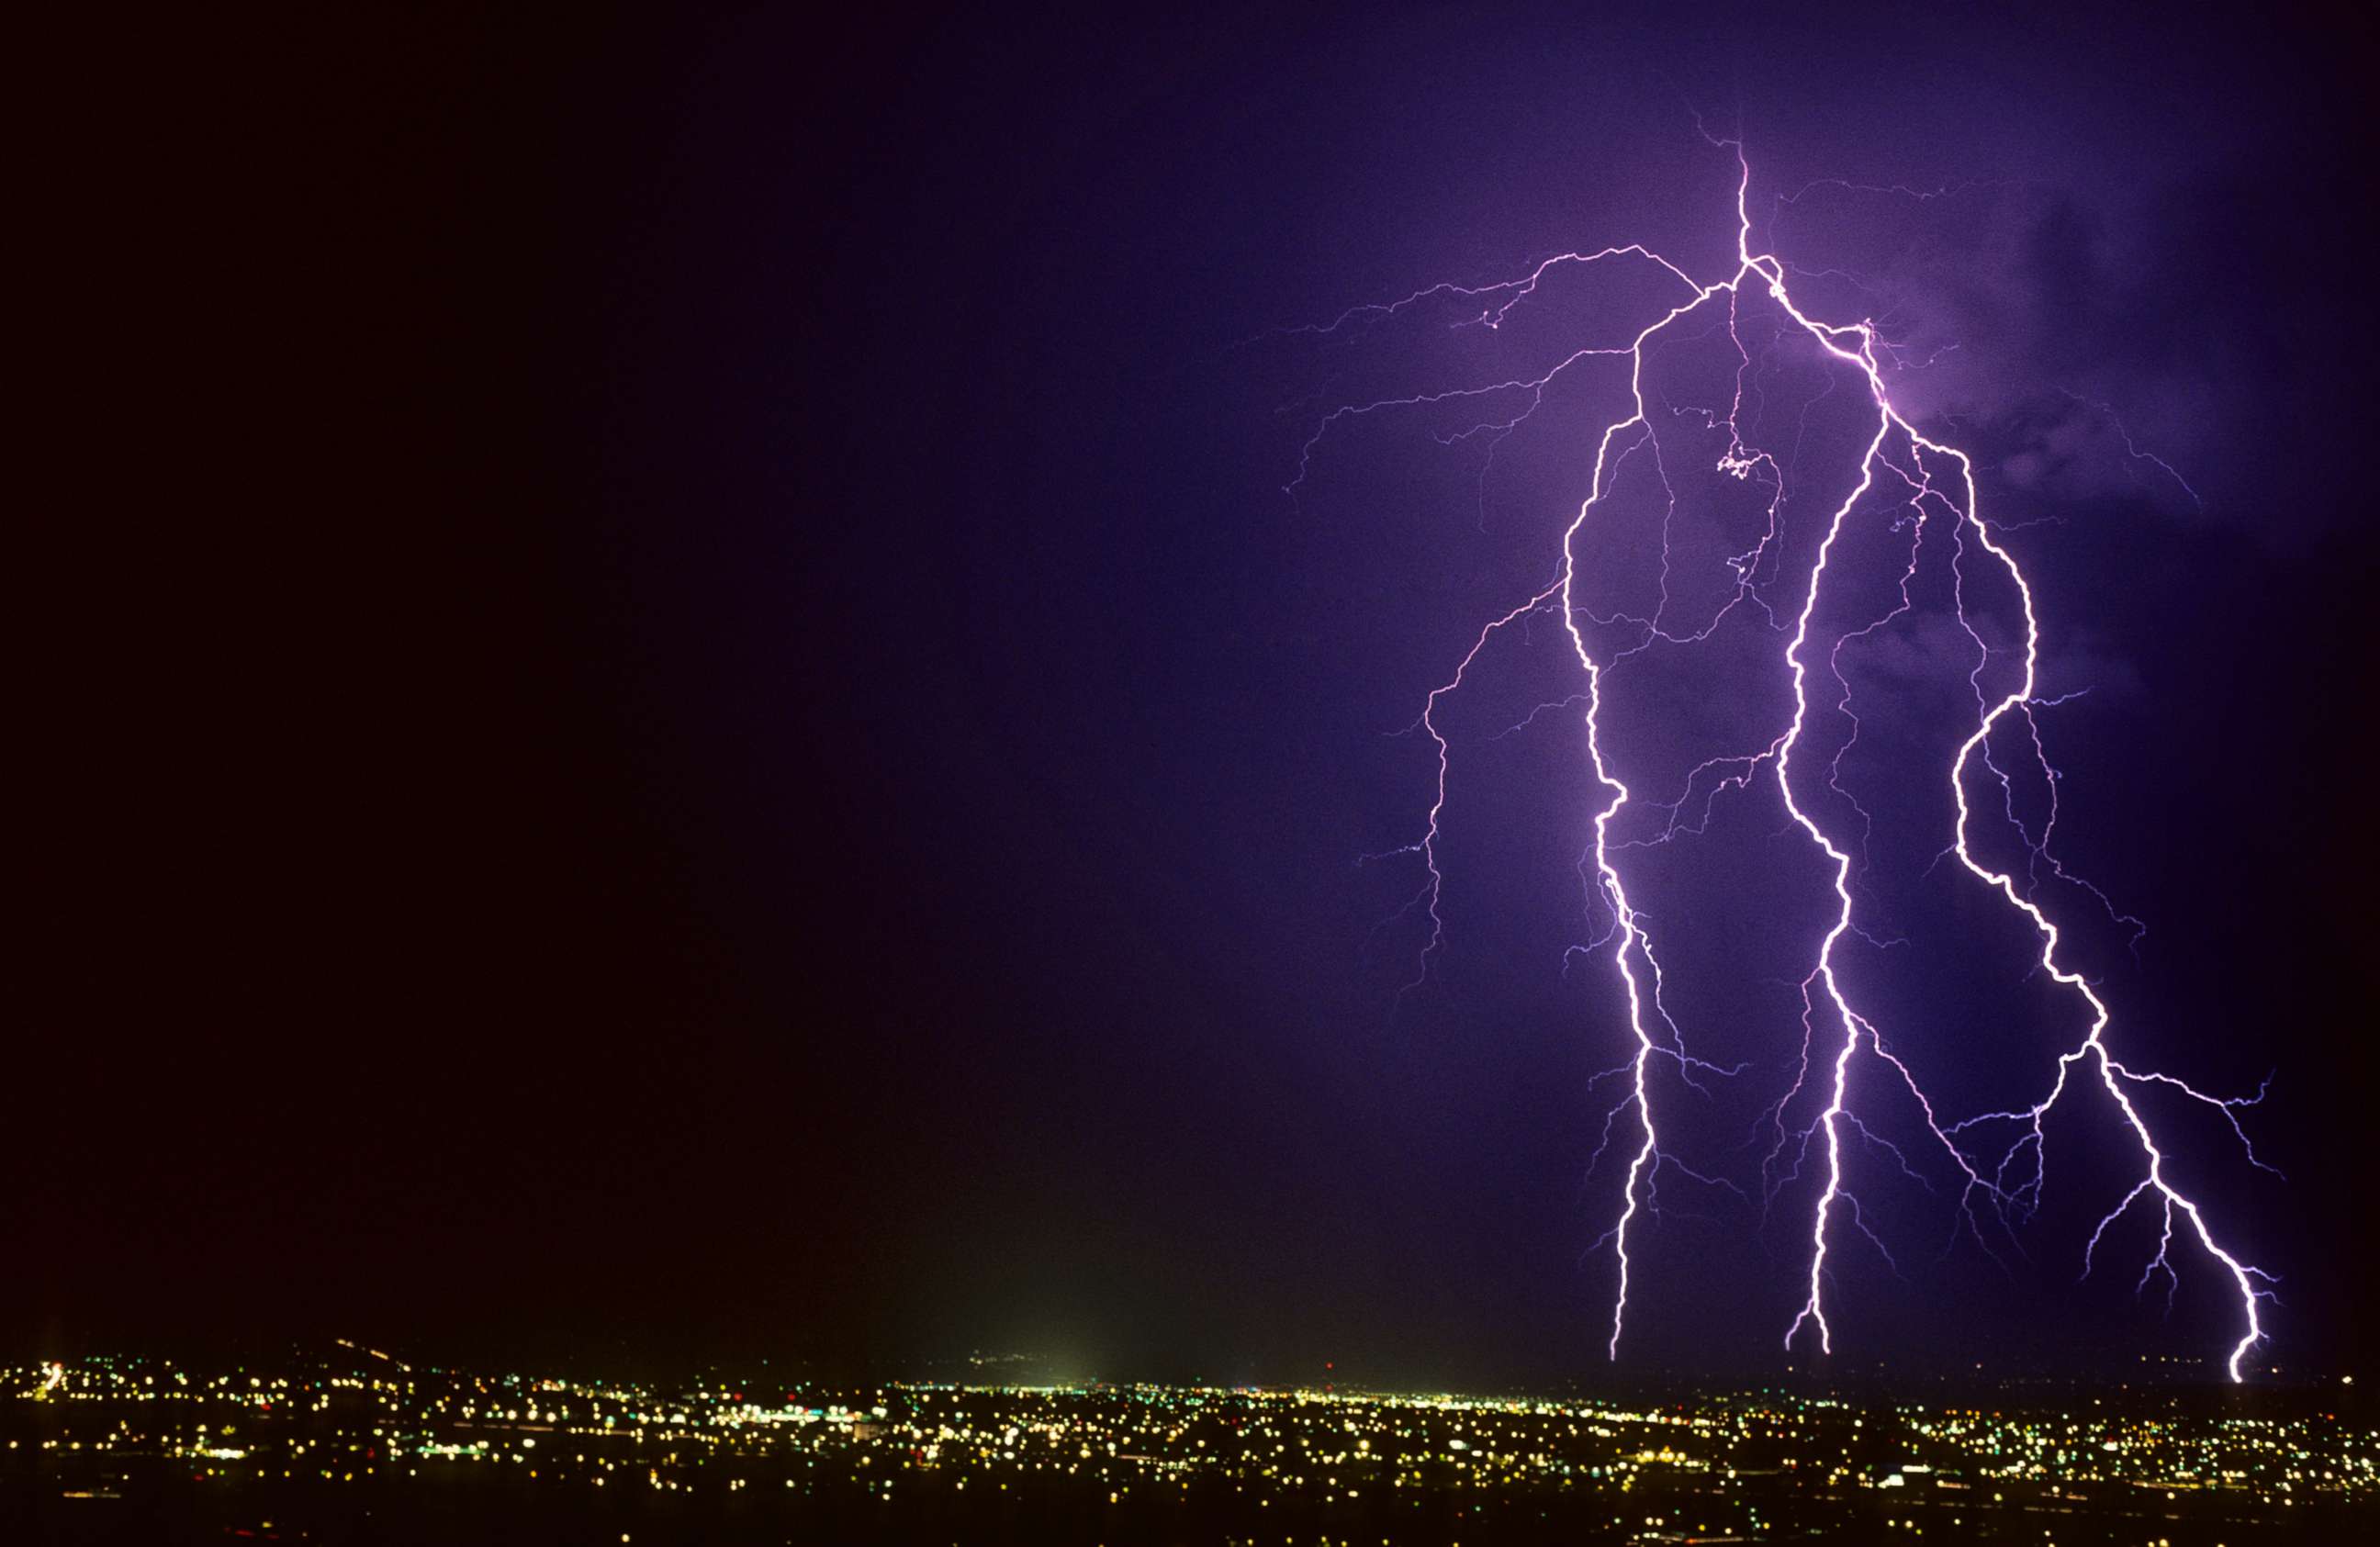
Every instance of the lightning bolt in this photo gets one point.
(1933, 485)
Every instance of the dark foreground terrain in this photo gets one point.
(355, 1447)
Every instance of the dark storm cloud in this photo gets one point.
(2180, 345)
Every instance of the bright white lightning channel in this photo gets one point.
(1939, 482)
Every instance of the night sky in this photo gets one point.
(680, 709)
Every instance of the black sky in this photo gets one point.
(677, 707)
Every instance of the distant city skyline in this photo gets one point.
(329, 1443)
